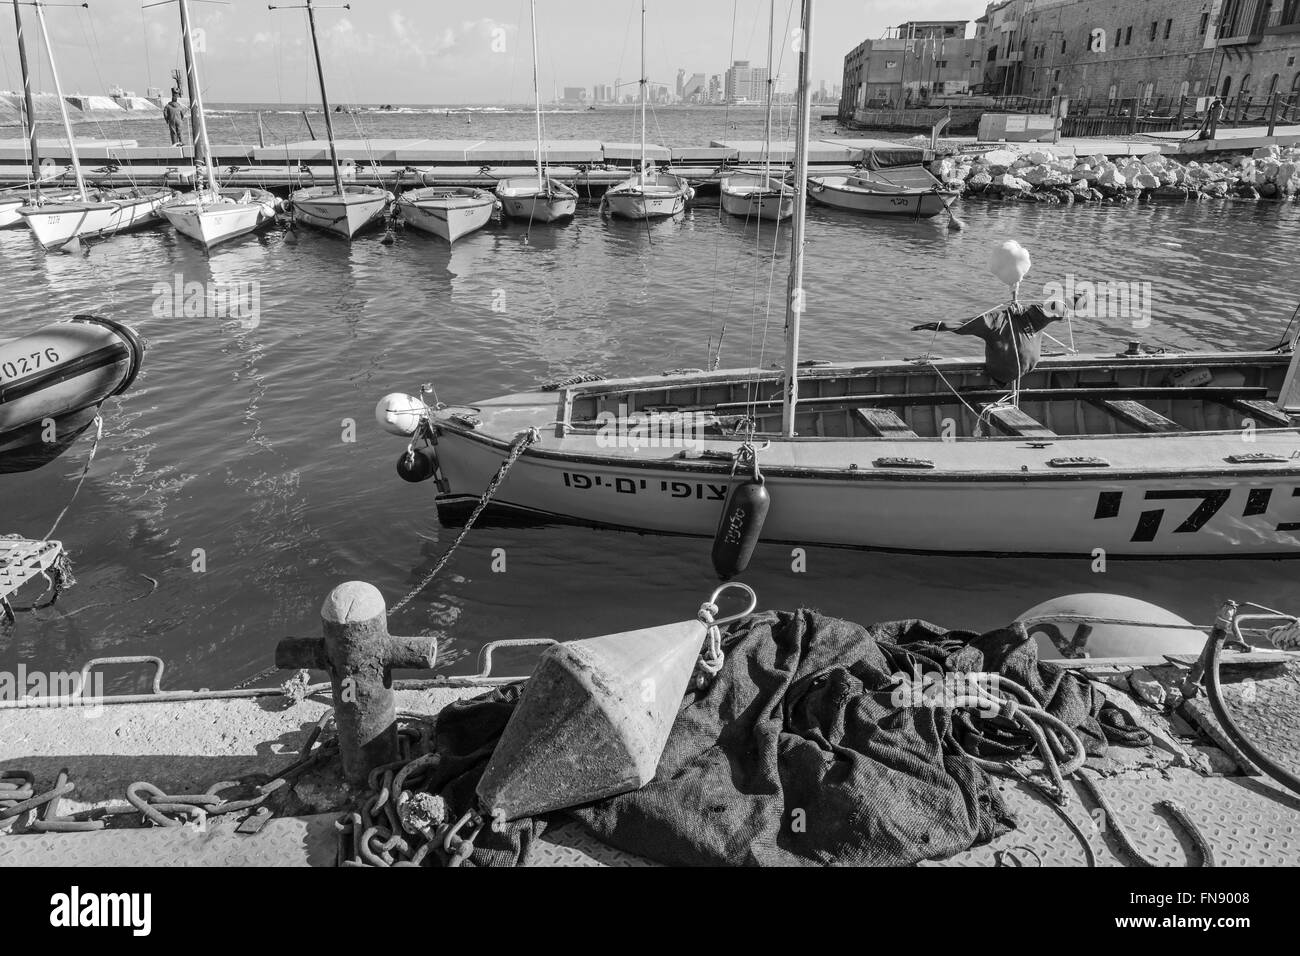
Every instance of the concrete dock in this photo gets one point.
(183, 746)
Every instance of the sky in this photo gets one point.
(437, 51)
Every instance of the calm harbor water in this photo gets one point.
(232, 440)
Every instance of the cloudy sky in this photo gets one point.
(436, 51)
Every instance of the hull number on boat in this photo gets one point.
(702, 491)
(1212, 501)
(26, 364)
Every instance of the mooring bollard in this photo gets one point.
(359, 654)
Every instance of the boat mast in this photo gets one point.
(196, 95)
(324, 99)
(537, 96)
(30, 117)
(63, 107)
(794, 292)
(767, 127)
(644, 83)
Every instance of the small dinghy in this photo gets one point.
(446, 211)
(756, 197)
(343, 210)
(209, 216)
(53, 381)
(542, 199)
(899, 191)
(647, 194)
(537, 200)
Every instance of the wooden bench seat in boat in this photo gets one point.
(1012, 421)
(1137, 415)
(1261, 410)
(882, 423)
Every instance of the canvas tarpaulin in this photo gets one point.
(800, 752)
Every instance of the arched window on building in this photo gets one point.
(1148, 93)
(1295, 84)
(1272, 84)
(1227, 87)
(1183, 89)
(1113, 90)
(1244, 90)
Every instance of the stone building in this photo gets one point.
(1104, 51)
(917, 61)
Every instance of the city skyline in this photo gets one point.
(387, 51)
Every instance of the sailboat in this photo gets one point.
(341, 209)
(760, 195)
(210, 214)
(30, 194)
(542, 199)
(92, 212)
(648, 194)
(1140, 454)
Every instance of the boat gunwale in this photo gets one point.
(718, 466)
(1056, 363)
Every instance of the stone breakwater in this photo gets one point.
(1269, 174)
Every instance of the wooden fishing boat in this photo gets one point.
(1103, 453)
(542, 199)
(1135, 454)
(342, 209)
(901, 191)
(53, 381)
(448, 212)
(211, 215)
(647, 194)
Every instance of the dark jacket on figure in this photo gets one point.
(1013, 342)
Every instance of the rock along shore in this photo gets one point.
(1270, 173)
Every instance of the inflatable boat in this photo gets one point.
(53, 381)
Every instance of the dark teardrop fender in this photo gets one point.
(740, 528)
(66, 367)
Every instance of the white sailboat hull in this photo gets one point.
(650, 197)
(526, 199)
(57, 223)
(839, 193)
(323, 208)
(209, 219)
(448, 213)
(752, 198)
(9, 215)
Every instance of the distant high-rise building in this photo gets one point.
(681, 85)
(746, 83)
(715, 88)
(575, 94)
(696, 89)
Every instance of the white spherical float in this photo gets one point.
(399, 414)
(1108, 625)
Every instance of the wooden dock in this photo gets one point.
(589, 165)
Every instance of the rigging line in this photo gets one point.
(99, 77)
(767, 319)
(148, 67)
